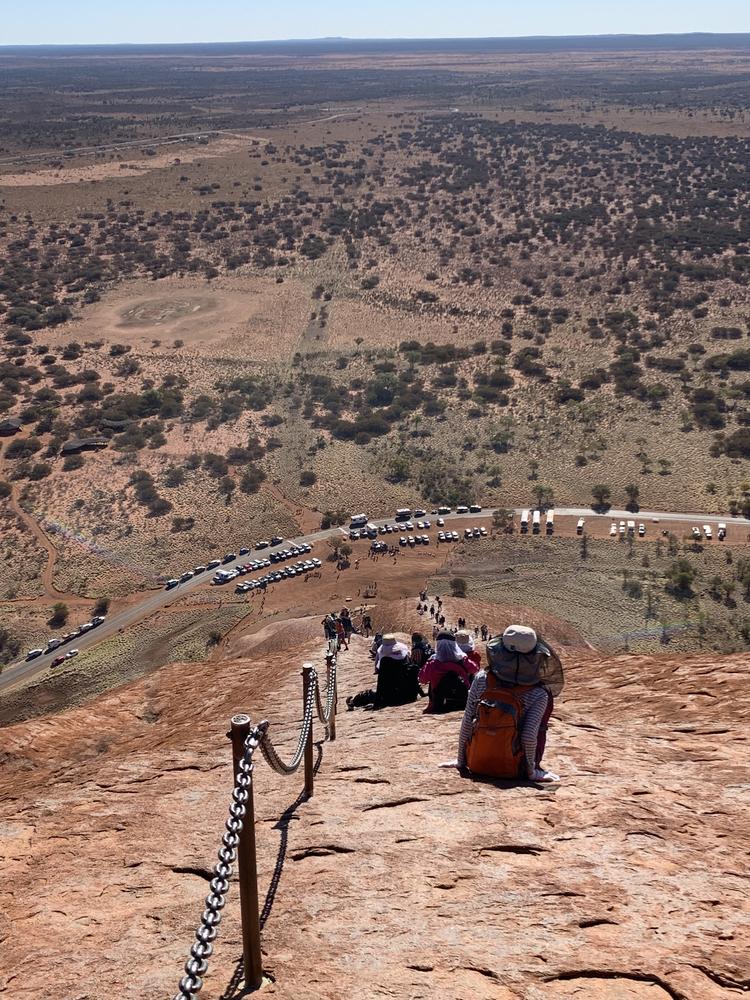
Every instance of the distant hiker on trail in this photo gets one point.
(484, 631)
(347, 622)
(441, 621)
(341, 635)
(432, 611)
(397, 678)
(329, 627)
(449, 674)
(504, 728)
(367, 625)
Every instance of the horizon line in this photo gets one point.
(383, 38)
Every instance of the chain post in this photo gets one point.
(331, 659)
(307, 682)
(247, 867)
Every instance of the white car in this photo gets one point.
(98, 619)
(454, 534)
(53, 644)
(440, 522)
(87, 626)
(696, 533)
(708, 532)
(483, 531)
(33, 653)
(71, 653)
(641, 530)
(613, 529)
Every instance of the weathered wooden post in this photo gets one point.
(247, 868)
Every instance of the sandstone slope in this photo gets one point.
(397, 879)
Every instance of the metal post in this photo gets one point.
(307, 669)
(332, 719)
(247, 868)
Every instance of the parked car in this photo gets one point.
(261, 545)
(213, 564)
(98, 619)
(419, 513)
(199, 569)
(641, 530)
(58, 660)
(440, 522)
(425, 539)
(244, 550)
(229, 557)
(721, 534)
(71, 653)
(170, 584)
(33, 653)
(454, 534)
(483, 531)
(187, 575)
(613, 529)
(53, 644)
(707, 531)
(462, 510)
(86, 627)
(696, 533)
(277, 540)
(475, 508)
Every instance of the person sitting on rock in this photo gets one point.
(467, 645)
(421, 650)
(397, 678)
(504, 729)
(449, 674)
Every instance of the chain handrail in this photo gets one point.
(200, 952)
(324, 715)
(269, 750)
(258, 738)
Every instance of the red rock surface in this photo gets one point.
(397, 879)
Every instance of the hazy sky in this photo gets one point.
(70, 21)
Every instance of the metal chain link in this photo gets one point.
(269, 750)
(196, 965)
(325, 715)
(200, 952)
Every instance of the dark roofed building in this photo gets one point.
(75, 445)
(10, 426)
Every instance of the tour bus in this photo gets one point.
(579, 526)
(358, 521)
(402, 514)
(536, 522)
(524, 521)
(550, 522)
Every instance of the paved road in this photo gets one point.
(154, 601)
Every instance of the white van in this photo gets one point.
(402, 514)
(550, 522)
(536, 522)
(707, 532)
(631, 527)
(524, 521)
(722, 533)
(358, 520)
(372, 530)
(579, 526)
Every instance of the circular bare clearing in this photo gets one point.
(155, 312)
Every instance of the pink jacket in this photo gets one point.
(434, 670)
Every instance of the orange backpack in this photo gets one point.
(495, 748)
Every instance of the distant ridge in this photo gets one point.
(320, 46)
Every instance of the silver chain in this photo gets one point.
(200, 952)
(202, 949)
(269, 750)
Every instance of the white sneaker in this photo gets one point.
(539, 774)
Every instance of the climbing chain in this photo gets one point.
(269, 750)
(325, 714)
(200, 952)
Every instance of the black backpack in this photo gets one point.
(398, 682)
(450, 694)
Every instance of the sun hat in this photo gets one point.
(388, 640)
(519, 638)
(464, 638)
(445, 633)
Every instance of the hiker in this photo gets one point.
(441, 621)
(366, 625)
(421, 650)
(347, 622)
(504, 728)
(375, 645)
(465, 642)
(329, 628)
(484, 632)
(397, 678)
(432, 611)
(341, 635)
(449, 674)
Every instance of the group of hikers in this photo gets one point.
(506, 706)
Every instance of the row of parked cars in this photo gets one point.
(60, 640)
(299, 568)
(216, 563)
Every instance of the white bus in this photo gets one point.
(536, 522)
(358, 521)
(524, 521)
(402, 514)
(550, 522)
